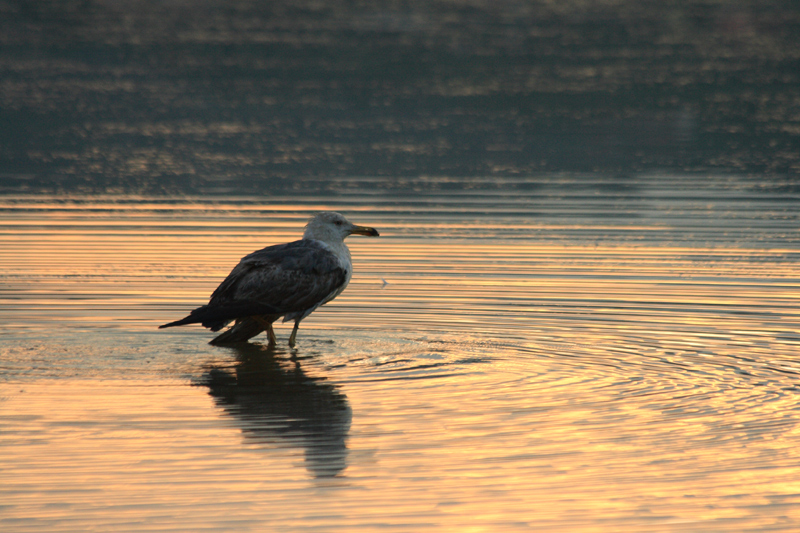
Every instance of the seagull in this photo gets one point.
(286, 280)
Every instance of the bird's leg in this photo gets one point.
(273, 340)
(293, 336)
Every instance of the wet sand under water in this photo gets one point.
(561, 357)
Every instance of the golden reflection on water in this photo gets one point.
(473, 377)
(421, 454)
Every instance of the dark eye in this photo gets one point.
(338, 222)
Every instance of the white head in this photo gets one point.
(333, 228)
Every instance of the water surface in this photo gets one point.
(148, 97)
(549, 353)
(581, 314)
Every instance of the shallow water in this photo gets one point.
(551, 353)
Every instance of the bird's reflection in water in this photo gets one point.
(278, 404)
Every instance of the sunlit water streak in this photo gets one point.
(560, 357)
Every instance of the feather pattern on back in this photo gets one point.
(289, 277)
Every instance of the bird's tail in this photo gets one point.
(204, 315)
(245, 328)
(216, 317)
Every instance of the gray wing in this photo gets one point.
(288, 278)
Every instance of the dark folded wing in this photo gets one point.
(288, 278)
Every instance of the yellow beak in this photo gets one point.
(364, 230)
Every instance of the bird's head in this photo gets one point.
(331, 227)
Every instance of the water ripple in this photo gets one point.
(627, 367)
